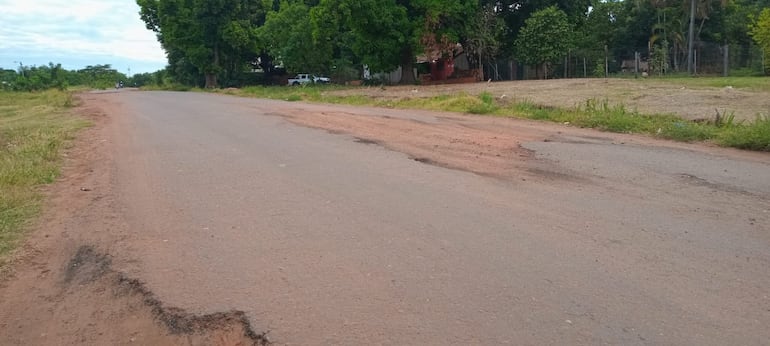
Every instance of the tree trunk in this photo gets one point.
(211, 77)
(676, 57)
(407, 66)
(211, 80)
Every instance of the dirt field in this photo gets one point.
(646, 96)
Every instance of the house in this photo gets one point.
(447, 66)
(629, 66)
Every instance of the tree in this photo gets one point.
(211, 35)
(516, 12)
(333, 38)
(7, 77)
(484, 36)
(386, 34)
(760, 30)
(544, 39)
(604, 26)
(98, 76)
(288, 35)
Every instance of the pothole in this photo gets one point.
(88, 267)
(366, 141)
(425, 160)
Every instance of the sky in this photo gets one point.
(77, 33)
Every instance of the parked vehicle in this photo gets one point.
(304, 78)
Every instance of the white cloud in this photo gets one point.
(78, 30)
(78, 10)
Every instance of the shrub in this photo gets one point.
(486, 106)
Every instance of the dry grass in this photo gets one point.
(34, 128)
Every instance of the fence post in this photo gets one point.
(607, 62)
(695, 62)
(565, 66)
(726, 71)
(585, 70)
(636, 64)
(481, 65)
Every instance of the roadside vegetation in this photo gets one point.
(34, 128)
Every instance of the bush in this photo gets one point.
(486, 106)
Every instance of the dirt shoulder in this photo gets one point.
(646, 96)
(489, 146)
(62, 287)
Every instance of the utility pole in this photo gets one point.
(691, 39)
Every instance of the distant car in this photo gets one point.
(304, 78)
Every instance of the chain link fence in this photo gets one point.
(709, 59)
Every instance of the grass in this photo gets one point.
(307, 92)
(606, 117)
(749, 83)
(171, 87)
(598, 114)
(752, 137)
(34, 128)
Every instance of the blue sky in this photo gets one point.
(77, 33)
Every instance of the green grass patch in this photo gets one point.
(487, 105)
(451, 103)
(293, 98)
(748, 83)
(754, 136)
(169, 87)
(307, 92)
(616, 118)
(34, 128)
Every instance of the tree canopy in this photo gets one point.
(207, 41)
(760, 30)
(545, 37)
(213, 36)
(386, 34)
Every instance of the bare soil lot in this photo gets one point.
(646, 96)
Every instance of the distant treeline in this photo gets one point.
(33, 78)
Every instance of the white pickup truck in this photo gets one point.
(304, 78)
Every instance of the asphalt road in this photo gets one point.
(321, 239)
